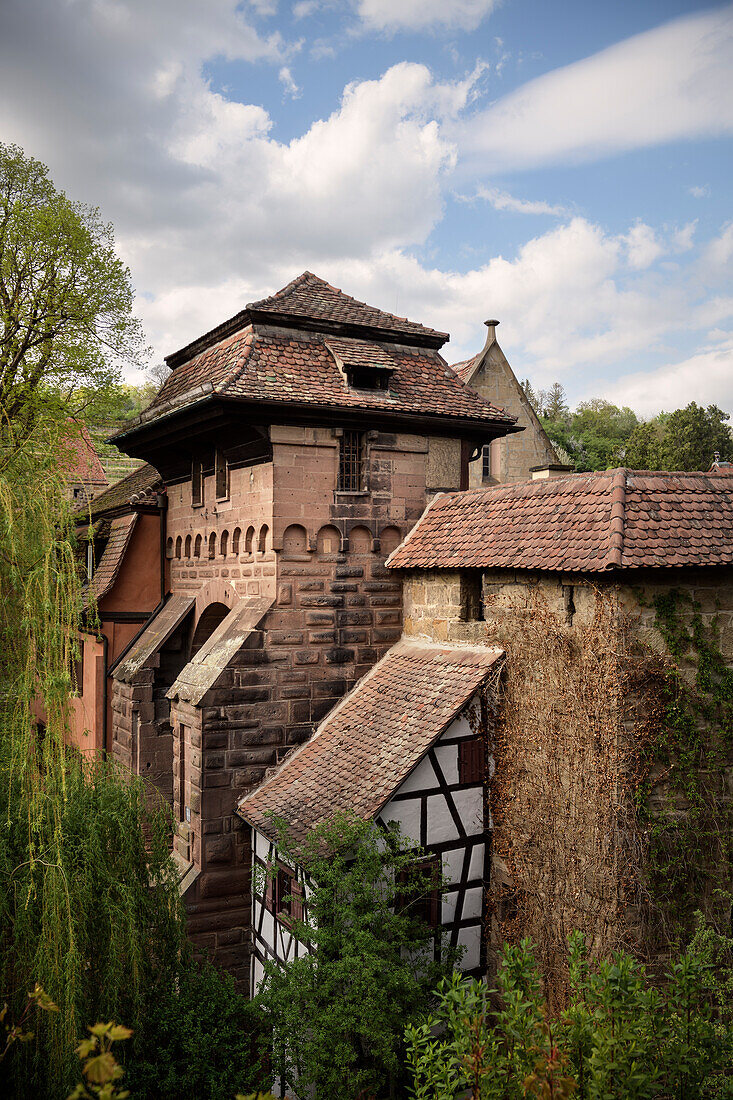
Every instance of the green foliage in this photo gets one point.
(689, 853)
(199, 1038)
(100, 1067)
(686, 439)
(65, 297)
(89, 906)
(595, 435)
(620, 1038)
(338, 1015)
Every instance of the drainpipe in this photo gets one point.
(105, 649)
(163, 505)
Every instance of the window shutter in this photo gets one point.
(471, 761)
(297, 907)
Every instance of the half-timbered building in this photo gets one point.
(409, 744)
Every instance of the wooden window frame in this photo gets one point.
(221, 476)
(197, 483)
(427, 907)
(471, 760)
(282, 883)
(351, 461)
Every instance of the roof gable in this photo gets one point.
(615, 519)
(365, 748)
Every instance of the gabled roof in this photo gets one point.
(371, 741)
(465, 368)
(206, 666)
(140, 482)
(109, 564)
(300, 368)
(80, 459)
(616, 519)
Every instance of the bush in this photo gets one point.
(619, 1039)
(200, 1039)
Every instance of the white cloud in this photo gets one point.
(286, 79)
(643, 246)
(699, 192)
(719, 253)
(420, 15)
(502, 200)
(706, 378)
(666, 84)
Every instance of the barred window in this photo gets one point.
(350, 461)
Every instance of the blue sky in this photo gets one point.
(565, 168)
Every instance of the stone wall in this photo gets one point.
(586, 661)
(515, 454)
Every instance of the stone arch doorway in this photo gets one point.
(210, 618)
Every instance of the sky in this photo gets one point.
(562, 167)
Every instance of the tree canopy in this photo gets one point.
(66, 321)
(600, 435)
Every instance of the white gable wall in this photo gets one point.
(438, 813)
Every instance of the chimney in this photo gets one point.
(552, 469)
(490, 334)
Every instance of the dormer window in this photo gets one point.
(364, 365)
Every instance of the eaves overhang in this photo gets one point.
(207, 410)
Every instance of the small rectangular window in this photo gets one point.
(221, 476)
(491, 461)
(182, 754)
(418, 892)
(472, 596)
(350, 461)
(471, 760)
(197, 483)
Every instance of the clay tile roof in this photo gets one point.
(371, 741)
(80, 458)
(206, 666)
(309, 296)
(138, 484)
(300, 367)
(463, 369)
(109, 564)
(615, 519)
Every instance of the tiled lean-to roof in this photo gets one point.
(372, 740)
(616, 519)
(106, 572)
(139, 483)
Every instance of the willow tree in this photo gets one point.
(88, 904)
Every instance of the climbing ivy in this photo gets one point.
(688, 744)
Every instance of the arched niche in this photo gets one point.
(262, 539)
(197, 547)
(249, 541)
(212, 544)
(179, 546)
(187, 552)
(360, 540)
(224, 544)
(328, 541)
(209, 619)
(169, 548)
(236, 539)
(295, 541)
(389, 540)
